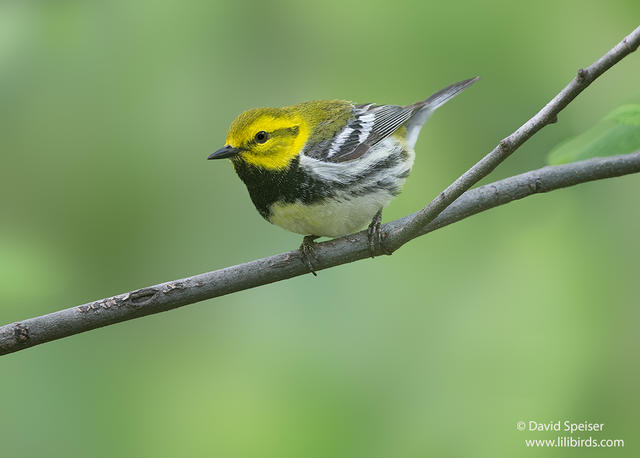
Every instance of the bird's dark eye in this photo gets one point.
(262, 136)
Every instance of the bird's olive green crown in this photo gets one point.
(270, 138)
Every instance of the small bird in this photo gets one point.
(327, 168)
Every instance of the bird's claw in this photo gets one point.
(374, 236)
(308, 252)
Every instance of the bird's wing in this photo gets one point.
(368, 125)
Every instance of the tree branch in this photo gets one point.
(453, 204)
(173, 294)
(547, 115)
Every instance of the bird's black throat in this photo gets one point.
(288, 185)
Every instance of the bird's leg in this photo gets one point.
(374, 235)
(308, 252)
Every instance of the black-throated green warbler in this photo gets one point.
(328, 167)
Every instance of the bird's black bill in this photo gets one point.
(224, 152)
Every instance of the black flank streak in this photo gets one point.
(287, 186)
(295, 184)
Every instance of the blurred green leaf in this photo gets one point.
(617, 133)
(626, 114)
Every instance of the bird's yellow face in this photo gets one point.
(267, 138)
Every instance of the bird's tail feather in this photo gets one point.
(425, 108)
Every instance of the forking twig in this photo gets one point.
(453, 204)
(547, 115)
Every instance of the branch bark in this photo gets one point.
(453, 204)
(173, 294)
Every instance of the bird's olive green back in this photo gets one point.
(327, 117)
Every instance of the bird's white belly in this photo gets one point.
(331, 217)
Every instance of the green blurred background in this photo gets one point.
(108, 110)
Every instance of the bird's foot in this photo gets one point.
(308, 252)
(374, 235)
